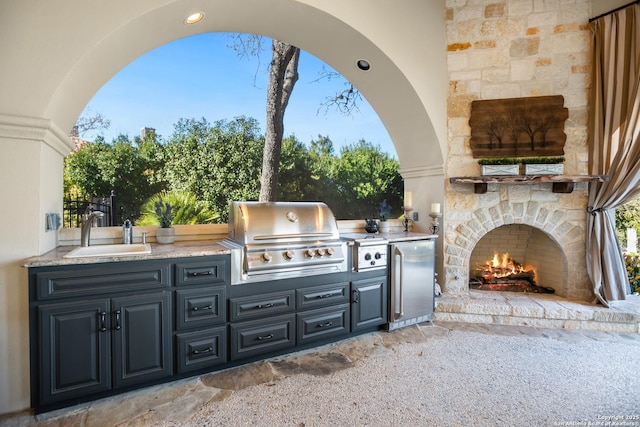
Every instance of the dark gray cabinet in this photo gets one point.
(141, 335)
(368, 303)
(100, 329)
(91, 346)
(75, 353)
(201, 313)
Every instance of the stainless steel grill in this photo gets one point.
(270, 241)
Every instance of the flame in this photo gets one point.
(503, 266)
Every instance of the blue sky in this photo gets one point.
(201, 76)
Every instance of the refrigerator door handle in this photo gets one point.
(399, 264)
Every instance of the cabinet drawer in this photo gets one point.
(320, 296)
(200, 307)
(201, 349)
(117, 277)
(262, 305)
(259, 336)
(323, 323)
(210, 271)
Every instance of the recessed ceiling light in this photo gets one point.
(363, 64)
(194, 18)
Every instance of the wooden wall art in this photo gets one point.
(518, 127)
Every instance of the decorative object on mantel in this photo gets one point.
(499, 166)
(543, 165)
(407, 208)
(435, 214)
(515, 127)
(561, 183)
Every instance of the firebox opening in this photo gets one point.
(517, 258)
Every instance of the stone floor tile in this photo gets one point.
(368, 345)
(409, 334)
(242, 376)
(525, 308)
(562, 335)
(316, 363)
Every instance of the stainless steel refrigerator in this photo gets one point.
(412, 281)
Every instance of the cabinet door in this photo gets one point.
(141, 332)
(75, 350)
(368, 303)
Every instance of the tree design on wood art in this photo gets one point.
(518, 127)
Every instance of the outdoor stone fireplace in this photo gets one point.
(535, 225)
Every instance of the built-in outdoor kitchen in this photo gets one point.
(285, 279)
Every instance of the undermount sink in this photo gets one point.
(109, 250)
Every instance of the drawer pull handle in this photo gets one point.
(267, 305)
(117, 327)
(208, 307)
(264, 337)
(103, 321)
(325, 325)
(325, 296)
(209, 350)
(200, 273)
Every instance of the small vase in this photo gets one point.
(166, 235)
(384, 226)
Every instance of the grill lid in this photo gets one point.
(280, 222)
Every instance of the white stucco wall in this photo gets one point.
(61, 53)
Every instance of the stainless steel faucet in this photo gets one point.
(85, 229)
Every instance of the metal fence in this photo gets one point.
(74, 209)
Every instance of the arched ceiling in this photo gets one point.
(63, 52)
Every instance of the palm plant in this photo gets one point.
(178, 207)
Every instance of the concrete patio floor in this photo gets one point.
(229, 397)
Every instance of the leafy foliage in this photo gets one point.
(129, 168)
(499, 161)
(180, 207)
(632, 262)
(627, 216)
(203, 167)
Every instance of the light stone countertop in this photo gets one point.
(176, 250)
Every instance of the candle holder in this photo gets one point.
(407, 213)
(435, 225)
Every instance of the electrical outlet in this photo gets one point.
(415, 216)
(51, 221)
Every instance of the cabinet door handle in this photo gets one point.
(117, 326)
(209, 350)
(208, 307)
(325, 325)
(267, 305)
(103, 321)
(356, 298)
(264, 337)
(200, 273)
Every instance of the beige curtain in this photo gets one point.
(614, 144)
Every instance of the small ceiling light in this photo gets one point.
(363, 64)
(194, 18)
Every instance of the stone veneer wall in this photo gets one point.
(510, 49)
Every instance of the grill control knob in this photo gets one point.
(288, 255)
(378, 255)
(330, 251)
(367, 256)
(321, 252)
(266, 257)
(310, 253)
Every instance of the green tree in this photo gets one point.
(365, 177)
(627, 216)
(97, 168)
(218, 163)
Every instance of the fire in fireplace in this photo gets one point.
(502, 273)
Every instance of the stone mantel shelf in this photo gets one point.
(561, 183)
